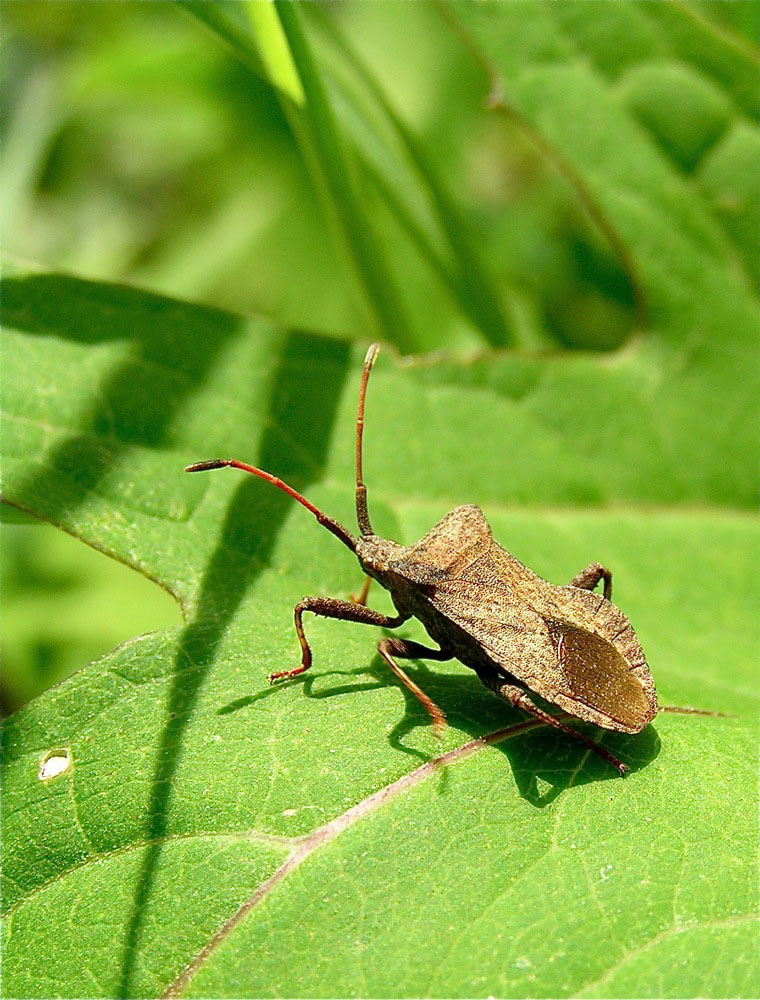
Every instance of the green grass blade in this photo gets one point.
(322, 146)
(220, 20)
(374, 274)
(474, 287)
(274, 50)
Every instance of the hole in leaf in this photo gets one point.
(54, 762)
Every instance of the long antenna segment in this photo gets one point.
(330, 523)
(361, 490)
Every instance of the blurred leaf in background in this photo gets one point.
(139, 148)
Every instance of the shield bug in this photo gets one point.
(520, 634)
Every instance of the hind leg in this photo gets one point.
(519, 698)
(588, 578)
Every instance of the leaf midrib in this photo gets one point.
(339, 823)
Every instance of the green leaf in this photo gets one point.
(208, 835)
(191, 781)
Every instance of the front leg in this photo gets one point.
(519, 698)
(408, 650)
(330, 607)
(588, 578)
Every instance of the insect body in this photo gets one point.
(520, 634)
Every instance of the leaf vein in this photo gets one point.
(329, 832)
(657, 939)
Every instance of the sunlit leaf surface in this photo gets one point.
(208, 835)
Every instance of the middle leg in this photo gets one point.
(405, 649)
(361, 597)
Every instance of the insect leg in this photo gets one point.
(521, 699)
(408, 650)
(330, 607)
(588, 578)
(361, 598)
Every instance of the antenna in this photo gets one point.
(361, 490)
(334, 526)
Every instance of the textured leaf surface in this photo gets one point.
(194, 790)
(190, 777)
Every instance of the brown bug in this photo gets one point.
(518, 633)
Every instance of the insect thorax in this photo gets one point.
(376, 555)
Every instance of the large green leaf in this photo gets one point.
(191, 780)
(301, 840)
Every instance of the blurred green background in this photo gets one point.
(138, 148)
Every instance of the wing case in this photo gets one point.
(572, 647)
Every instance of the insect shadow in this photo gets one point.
(544, 764)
